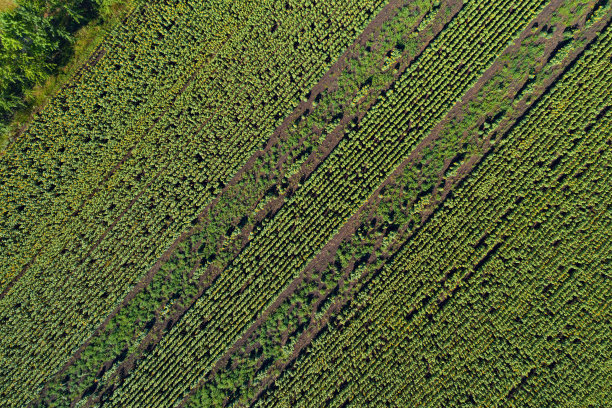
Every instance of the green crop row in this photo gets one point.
(277, 254)
(527, 238)
(148, 199)
(288, 325)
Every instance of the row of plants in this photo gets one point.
(501, 290)
(126, 223)
(275, 256)
(383, 224)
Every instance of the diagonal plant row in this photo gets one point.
(251, 266)
(232, 203)
(89, 299)
(303, 309)
(417, 269)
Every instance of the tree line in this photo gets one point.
(36, 39)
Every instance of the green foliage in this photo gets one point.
(34, 38)
(491, 295)
(42, 44)
(186, 224)
(172, 288)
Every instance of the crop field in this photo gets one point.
(309, 203)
